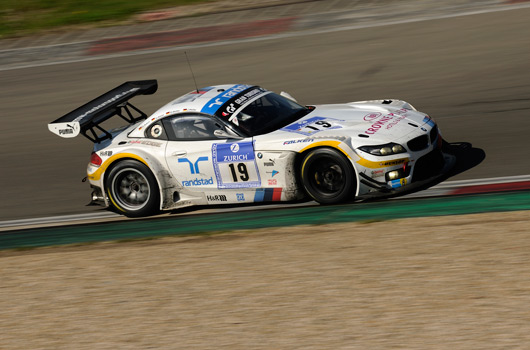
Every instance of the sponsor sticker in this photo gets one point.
(371, 117)
(240, 197)
(69, 130)
(379, 121)
(194, 166)
(235, 165)
(145, 142)
(395, 121)
(398, 183)
(376, 165)
(197, 182)
(103, 104)
(290, 142)
(66, 131)
(105, 153)
(378, 173)
(268, 194)
(313, 125)
(236, 102)
(216, 198)
(393, 162)
(212, 106)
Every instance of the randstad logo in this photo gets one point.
(198, 182)
(194, 167)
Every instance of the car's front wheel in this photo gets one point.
(328, 176)
(132, 189)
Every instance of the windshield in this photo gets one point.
(268, 113)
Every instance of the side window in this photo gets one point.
(156, 131)
(193, 127)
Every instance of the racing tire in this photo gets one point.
(327, 176)
(132, 189)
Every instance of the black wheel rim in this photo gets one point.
(326, 176)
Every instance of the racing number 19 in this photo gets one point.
(242, 169)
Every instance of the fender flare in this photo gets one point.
(163, 178)
(340, 146)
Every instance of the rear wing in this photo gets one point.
(85, 120)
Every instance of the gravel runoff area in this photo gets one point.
(455, 282)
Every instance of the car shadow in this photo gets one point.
(467, 157)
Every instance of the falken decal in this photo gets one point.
(313, 125)
(234, 165)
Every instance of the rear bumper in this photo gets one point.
(98, 197)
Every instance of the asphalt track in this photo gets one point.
(230, 221)
(471, 73)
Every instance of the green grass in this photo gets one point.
(20, 17)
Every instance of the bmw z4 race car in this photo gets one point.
(244, 144)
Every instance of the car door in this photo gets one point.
(205, 156)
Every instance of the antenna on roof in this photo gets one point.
(191, 70)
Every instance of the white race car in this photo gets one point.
(244, 144)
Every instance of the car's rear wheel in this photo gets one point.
(328, 176)
(132, 189)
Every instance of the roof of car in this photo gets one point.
(208, 100)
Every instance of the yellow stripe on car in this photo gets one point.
(113, 202)
(96, 175)
(333, 144)
(382, 164)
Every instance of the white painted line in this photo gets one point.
(441, 189)
(270, 37)
(478, 182)
(57, 219)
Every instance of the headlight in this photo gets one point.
(383, 150)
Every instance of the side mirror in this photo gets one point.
(222, 134)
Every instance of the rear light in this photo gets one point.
(95, 159)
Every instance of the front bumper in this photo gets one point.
(427, 170)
